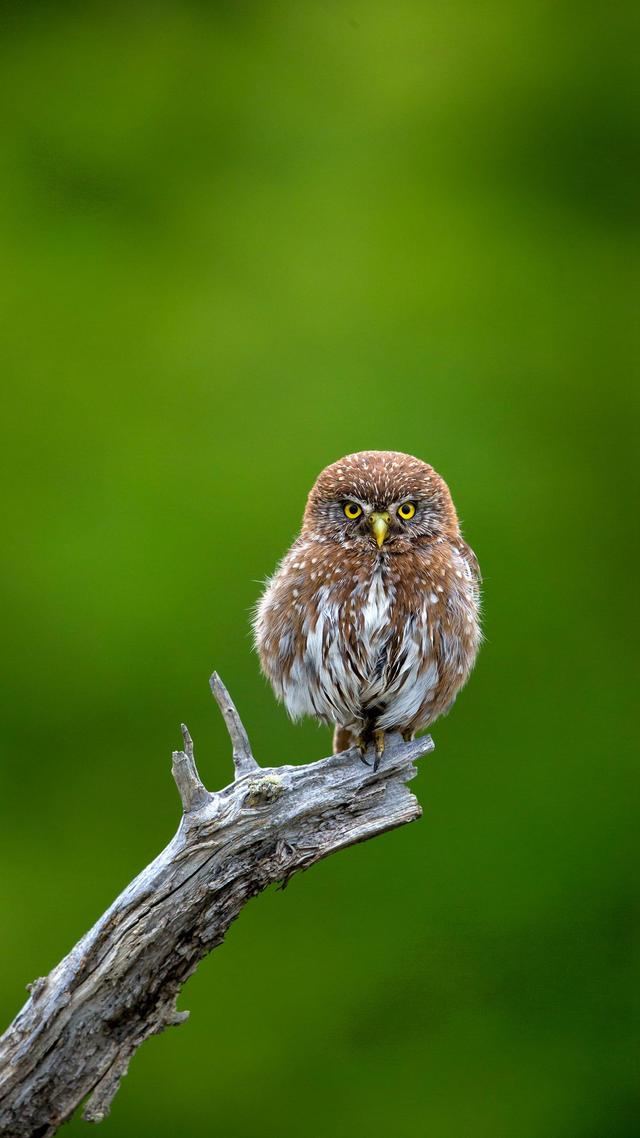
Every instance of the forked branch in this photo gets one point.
(82, 1023)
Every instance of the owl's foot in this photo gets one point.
(378, 738)
(363, 741)
(345, 740)
(361, 744)
(408, 736)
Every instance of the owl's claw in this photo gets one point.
(361, 744)
(379, 744)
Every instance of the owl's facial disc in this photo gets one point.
(379, 523)
(380, 500)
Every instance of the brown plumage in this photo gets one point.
(371, 621)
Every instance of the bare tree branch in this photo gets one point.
(82, 1023)
(243, 759)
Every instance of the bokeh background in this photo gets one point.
(238, 241)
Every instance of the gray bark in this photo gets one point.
(82, 1023)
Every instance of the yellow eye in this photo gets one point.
(352, 510)
(406, 510)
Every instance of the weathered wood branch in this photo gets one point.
(82, 1023)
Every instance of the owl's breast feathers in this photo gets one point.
(388, 637)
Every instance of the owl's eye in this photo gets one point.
(406, 510)
(352, 510)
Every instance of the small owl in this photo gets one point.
(371, 621)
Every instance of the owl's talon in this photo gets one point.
(362, 750)
(379, 744)
(408, 736)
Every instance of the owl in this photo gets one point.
(371, 621)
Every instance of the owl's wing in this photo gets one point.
(471, 560)
(473, 568)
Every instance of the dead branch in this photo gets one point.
(82, 1023)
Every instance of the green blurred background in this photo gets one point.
(238, 241)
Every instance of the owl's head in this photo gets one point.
(381, 499)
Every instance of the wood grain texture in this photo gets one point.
(82, 1023)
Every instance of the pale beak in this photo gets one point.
(380, 525)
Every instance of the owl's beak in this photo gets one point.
(380, 526)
